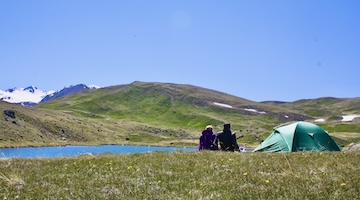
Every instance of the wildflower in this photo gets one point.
(130, 167)
(245, 173)
(266, 165)
(230, 159)
(343, 184)
(267, 181)
(159, 181)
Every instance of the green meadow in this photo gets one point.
(185, 175)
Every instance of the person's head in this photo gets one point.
(208, 127)
(226, 126)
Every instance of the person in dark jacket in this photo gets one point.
(226, 139)
(207, 138)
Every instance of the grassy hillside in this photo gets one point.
(332, 111)
(46, 127)
(164, 114)
(329, 108)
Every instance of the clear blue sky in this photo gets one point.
(255, 49)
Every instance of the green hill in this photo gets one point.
(164, 114)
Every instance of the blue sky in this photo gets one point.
(260, 50)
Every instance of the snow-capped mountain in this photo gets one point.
(67, 91)
(31, 95)
(25, 96)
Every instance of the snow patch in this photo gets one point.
(348, 118)
(254, 110)
(94, 86)
(250, 110)
(222, 105)
(319, 120)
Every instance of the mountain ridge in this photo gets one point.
(67, 90)
(31, 95)
(165, 114)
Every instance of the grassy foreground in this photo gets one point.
(184, 175)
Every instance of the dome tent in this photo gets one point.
(298, 136)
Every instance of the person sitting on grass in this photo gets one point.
(207, 138)
(227, 139)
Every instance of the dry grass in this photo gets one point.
(184, 175)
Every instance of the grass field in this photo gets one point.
(184, 175)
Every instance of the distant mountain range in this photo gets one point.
(31, 96)
(162, 114)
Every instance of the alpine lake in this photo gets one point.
(63, 151)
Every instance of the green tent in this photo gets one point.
(298, 136)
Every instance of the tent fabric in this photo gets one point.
(298, 136)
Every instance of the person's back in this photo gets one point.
(226, 139)
(206, 139)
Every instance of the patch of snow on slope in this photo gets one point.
(94, 86)
(254, 110)
(222, 104)
(319, 120)
(250, 109)
(347, 118)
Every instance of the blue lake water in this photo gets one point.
(61, 151)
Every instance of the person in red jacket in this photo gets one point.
(207, 138)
